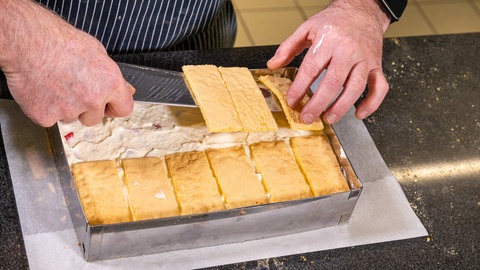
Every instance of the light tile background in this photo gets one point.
(269, 22)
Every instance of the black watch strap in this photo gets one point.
(394, 8)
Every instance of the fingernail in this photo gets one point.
(307, 118)
(290, 101)
(331, 118)
(271, 62)
(132, 89)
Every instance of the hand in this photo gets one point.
(56, 72)
(346, 39)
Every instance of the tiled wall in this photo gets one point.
(269, 22)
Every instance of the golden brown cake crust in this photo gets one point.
(248, 99)
(319, 164)
(236, 177)
(195, 185)
(229, 99)
(279, 86)
(150, 191)
(212, 97)
(280, 173)
(101, 194)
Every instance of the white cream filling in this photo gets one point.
(155, 130)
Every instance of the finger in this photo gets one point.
(328, 89)
(290, 48)
(122, 104)
(130, 88)
(69, 120)
(43, 123)
(352, 90)
(377, 90)
(43, 120)
(309, 70)
(70, 113)
(91, 118)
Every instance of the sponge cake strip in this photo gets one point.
(236, 177)
(195, 186)
(151, 193)
(101, 193)
(279, 86)
(250, 104)
(281, 175)
(319, 164)
(213, 98)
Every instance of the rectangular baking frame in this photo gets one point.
(99, 242)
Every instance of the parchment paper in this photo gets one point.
(382, 212)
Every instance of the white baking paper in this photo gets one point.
(381, 214)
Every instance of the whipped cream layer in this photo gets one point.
(157, 130)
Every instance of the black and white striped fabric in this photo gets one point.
(125, 26)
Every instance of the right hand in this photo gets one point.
(351, 36)
(56, 72)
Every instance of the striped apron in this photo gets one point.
(128, 26)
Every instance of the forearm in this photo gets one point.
(56, 72)
(14, 15)
(9, 32)
(26, 28)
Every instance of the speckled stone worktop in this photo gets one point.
(427, 130)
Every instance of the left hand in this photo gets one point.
(346, 39)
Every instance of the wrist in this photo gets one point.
(384, 18)
(372, 9)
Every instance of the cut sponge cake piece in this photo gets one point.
(236, 177)
(280, 173)
(101, 194)
(150, 191)
(319, 164)
(212, 97)
(229, 99)
(279, 87)
(249, 102)
(195, 186)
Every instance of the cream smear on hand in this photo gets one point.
(326, 30)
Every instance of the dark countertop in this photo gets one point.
(427, 130)
(12, 249)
